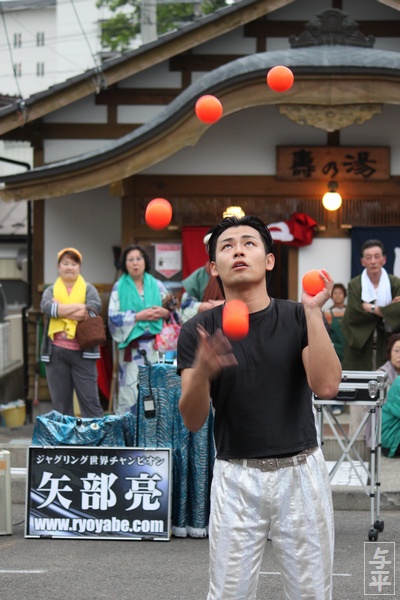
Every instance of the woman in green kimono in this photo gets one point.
(391, 422)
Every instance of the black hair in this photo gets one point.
(395, 337)
(341, 287)
(122, 262)
(371, 244)
(250, 221)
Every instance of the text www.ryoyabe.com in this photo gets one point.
(112, 525)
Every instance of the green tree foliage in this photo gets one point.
(119, 30)
(210, 6)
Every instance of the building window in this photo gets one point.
(39, 69)
(40, 38)
(17, 40)
(18, 69)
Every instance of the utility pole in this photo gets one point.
(148, 21)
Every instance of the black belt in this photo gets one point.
(273, 464)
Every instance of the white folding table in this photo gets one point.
(361, 388)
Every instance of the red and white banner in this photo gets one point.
(298, 231)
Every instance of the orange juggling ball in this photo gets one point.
(280, 79)
(313, 283)
(208, 109)
(158, 213)
(235, 319)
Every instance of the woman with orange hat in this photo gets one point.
(69, 368)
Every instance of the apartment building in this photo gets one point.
(44, 42)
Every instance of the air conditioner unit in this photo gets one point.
(5, 349)
(24, 270)
(5, 493)
(16, 337)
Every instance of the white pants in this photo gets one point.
(295, 504)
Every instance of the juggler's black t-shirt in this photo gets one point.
(263, 405)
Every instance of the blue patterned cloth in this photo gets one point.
(193, 453)
(56, 429)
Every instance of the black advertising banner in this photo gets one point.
(99, 492)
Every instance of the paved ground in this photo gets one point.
(176, 570)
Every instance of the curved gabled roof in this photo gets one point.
(239, 84)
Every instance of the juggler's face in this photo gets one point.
(240, 257)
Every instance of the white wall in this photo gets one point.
(334, 255)
(158, 76)
(243, 143)
(139, 113)
(55, 150)
(380, 131)
(232, 42)
(82, 111)
(90, 222)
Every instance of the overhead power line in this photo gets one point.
(10, 52)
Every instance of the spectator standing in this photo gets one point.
(392, 365)
(139, 303)
(372, 314)
(69, 368)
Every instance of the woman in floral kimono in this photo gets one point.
(139, 303)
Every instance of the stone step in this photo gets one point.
(18, 485)
(18, 453)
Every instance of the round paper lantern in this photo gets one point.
(208, 109)
(313, 283)
(158, 213)
(235, 319)
(280, 79)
